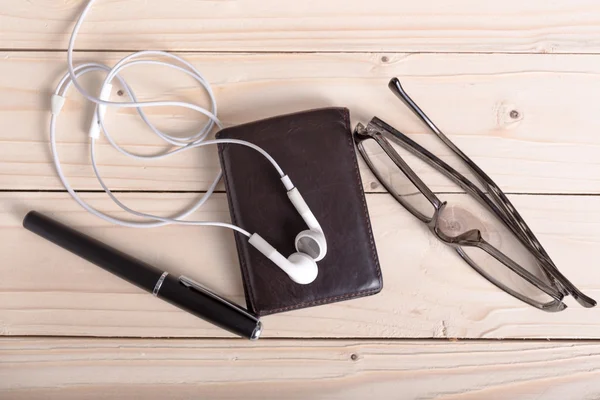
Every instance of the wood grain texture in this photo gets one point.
(428, 290)
(231, 369)
(529, 120)
(551, 146)
(340, 25)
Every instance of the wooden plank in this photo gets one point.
(225, 369)
(551, 146)
(271, 25)
(428, 290)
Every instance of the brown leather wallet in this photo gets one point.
(315, 149)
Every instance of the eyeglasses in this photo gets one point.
(483, 227)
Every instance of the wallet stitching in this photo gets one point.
(326, 300)
(367, 292)
(242, 259)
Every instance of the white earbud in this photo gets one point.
(299, 266)
(312, 241)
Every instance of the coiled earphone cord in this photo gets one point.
(195, 140)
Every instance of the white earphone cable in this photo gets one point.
(192, 141)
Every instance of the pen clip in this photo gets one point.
(192, 284)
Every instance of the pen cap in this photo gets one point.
(203, 303)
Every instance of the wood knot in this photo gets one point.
(507, 115)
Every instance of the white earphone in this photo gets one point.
(310, 244)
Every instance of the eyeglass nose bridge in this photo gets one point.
(471, 237)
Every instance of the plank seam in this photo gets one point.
(316, 339)
(241, 52)
(141, 191)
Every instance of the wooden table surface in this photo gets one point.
(514, 83)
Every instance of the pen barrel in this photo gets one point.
(210, 308)
(112, 260)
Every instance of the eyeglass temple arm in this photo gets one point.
(577, 294)
(481, 176)
(399, 91)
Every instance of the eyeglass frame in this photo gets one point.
(493, 199)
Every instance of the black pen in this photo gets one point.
(182, 292)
